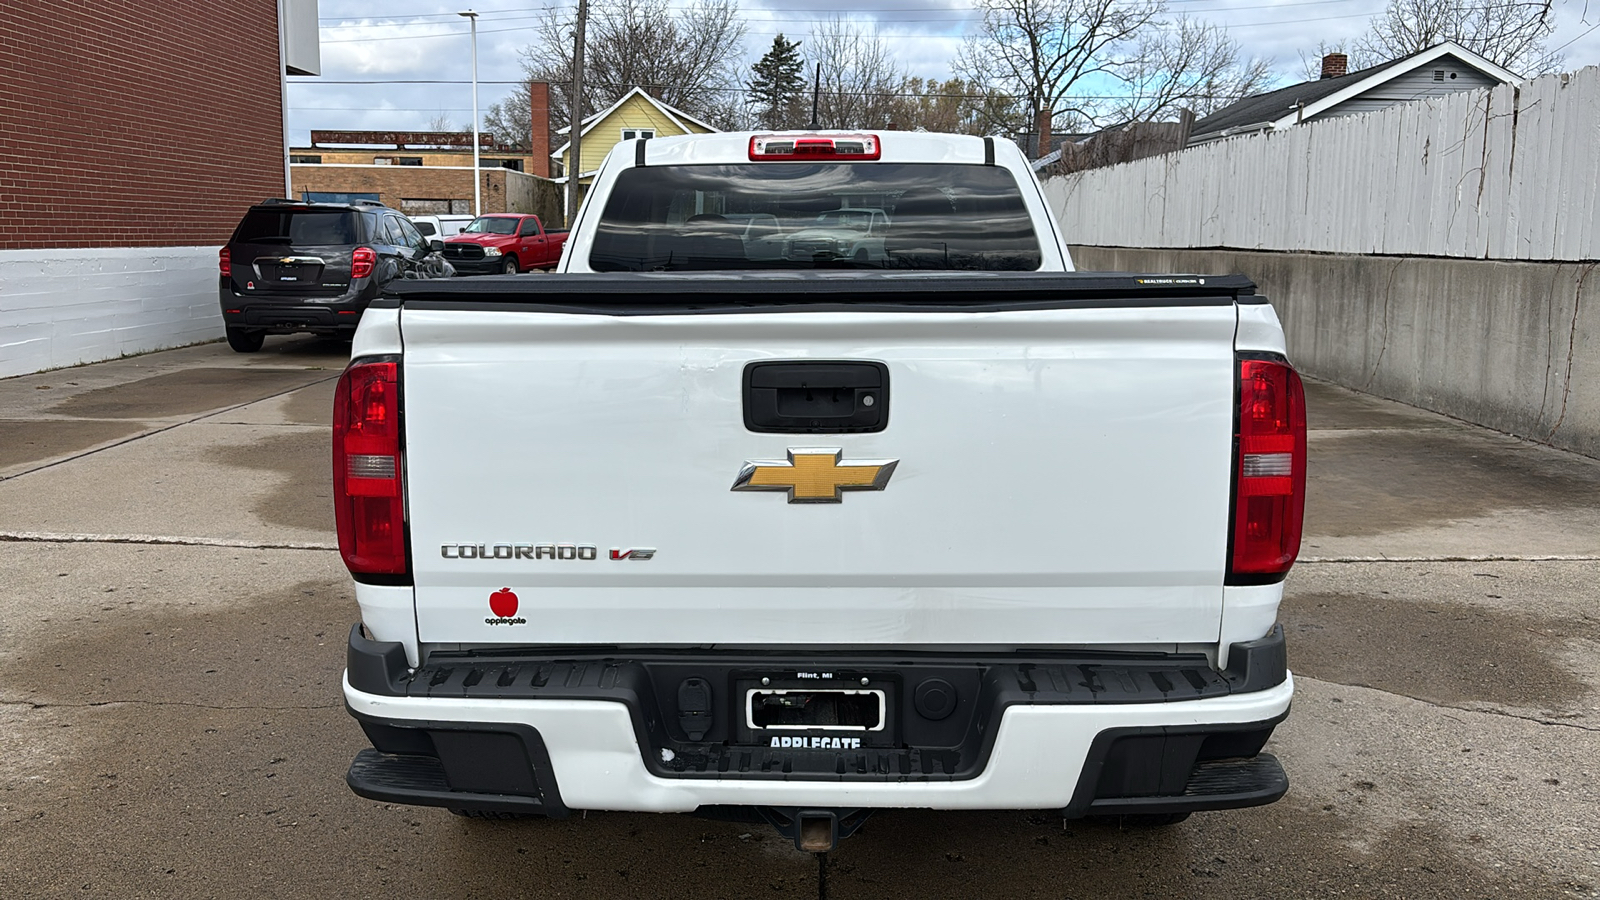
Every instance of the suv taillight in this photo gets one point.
(1269, 494)
(369, 505)
(362, 262)
(224, 261)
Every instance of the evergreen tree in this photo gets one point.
(777, 92)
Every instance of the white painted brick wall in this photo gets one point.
(63, 307)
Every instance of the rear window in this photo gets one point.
(297, 226)
(812, 216)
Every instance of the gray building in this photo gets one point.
(1441, 69)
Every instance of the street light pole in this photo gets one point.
(477, 176)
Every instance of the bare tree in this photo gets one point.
(1510, 33)
(1188, 64)
(860, 80)
(1042, 50)
(955, 106)
(441, 123)
(510, 120)
(687, 56)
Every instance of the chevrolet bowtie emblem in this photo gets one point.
(815, 476)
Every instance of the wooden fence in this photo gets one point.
(1511, 172)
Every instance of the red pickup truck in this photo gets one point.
(506, 243)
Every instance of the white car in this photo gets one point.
(439, 227)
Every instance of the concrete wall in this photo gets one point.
(64, 307)
(1503, 344)
(532, 194)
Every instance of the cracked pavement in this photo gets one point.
(173, 618)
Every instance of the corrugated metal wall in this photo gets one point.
(1507, 173)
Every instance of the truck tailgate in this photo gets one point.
(1062, 477)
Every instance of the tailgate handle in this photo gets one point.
(816, 397)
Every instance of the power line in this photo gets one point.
(315, 80)
(980, 97)
(806, 4)
(767, 16)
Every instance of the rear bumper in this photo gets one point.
(551, 736)
(286, 314)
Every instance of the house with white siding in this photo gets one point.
(1445, 68)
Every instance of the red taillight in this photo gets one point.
(224, 261)
(362, 262)
(1270, 469)
(369, 506)
(808, 147)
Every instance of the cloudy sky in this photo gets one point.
(403, 68)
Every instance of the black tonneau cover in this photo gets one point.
(664, 293)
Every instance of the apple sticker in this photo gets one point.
(503, 603)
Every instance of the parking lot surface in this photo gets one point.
(172, 632)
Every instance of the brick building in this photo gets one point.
(108, 239)
(429, 189)
(431, 171)
(422, 172)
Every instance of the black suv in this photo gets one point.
(292, 266)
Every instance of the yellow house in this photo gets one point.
(636, 115)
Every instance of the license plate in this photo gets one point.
(815, 709)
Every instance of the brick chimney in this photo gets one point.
(539, 128)
(1334, 65)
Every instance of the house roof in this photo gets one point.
(675, 115)
(1285, 106)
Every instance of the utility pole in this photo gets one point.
(575, 116)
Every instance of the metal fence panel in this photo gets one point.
(1511, 172)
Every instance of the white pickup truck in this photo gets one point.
(681, 528)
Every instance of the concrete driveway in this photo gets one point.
(172, 626)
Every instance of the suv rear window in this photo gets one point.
(812, 216)
(300, 227)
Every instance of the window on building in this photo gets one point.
(334, 197)
(397, 160)
(633, 134)
(427, 207)
(513, 164)
(305, 159)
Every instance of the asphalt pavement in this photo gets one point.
(173, 618)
